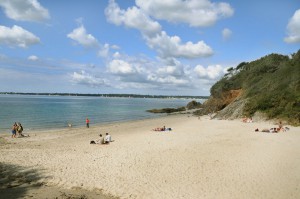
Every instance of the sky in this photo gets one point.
(150, 47)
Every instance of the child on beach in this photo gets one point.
(14, 130)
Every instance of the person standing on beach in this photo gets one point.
(14, 130)
(87, 121)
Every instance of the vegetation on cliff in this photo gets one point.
(270, 85)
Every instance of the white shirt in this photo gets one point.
(107, 138)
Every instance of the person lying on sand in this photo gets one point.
(162, 129)
(159, 129)
(273, 130)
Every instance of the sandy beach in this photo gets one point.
(199, 158)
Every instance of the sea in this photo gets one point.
(43, 112)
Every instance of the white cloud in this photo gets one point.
(135, 72)
(167, 80)
(293, 29)
(165, 45)
(104, 51)
(193, 12)
(132, 18)
(17, 36)
(168, 46)
(89, 80)
(24, 10)
(116, 55)
(173, 70)
(33, 58)
(226, 33)
(172, 76)
(115, 47)
(121, 67)
(83, 38)
(212, 72)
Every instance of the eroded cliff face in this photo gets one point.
(215, 105)
(230, 96)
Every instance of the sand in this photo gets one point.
(199, 158)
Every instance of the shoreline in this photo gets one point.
(92, 125)
(199, 158)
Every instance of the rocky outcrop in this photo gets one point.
(167, 110)
(233, 111)
(193, 105)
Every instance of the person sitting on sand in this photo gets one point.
(107, 138)
(99, 141)
(280, 127)
(247, 120)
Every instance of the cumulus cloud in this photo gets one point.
(139, 72)
(168, 46)
(212, 72)
(226, 34)
(24, 10)
(17, 36)
(167, 80)
(121, 67)
(132, 18)
(193, 12)
(80, 36)
(293, 29)
(165, 45)
(172, 76)
(89, 80)
(33, 58)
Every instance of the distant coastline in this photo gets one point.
(109, 95)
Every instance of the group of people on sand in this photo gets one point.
(278, 129)
(16, 130)
(102, 140)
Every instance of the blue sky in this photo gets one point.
(171, 47)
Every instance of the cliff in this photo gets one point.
(269, 86)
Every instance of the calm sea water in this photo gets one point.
(50, 112)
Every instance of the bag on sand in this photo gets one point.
(92, 142)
